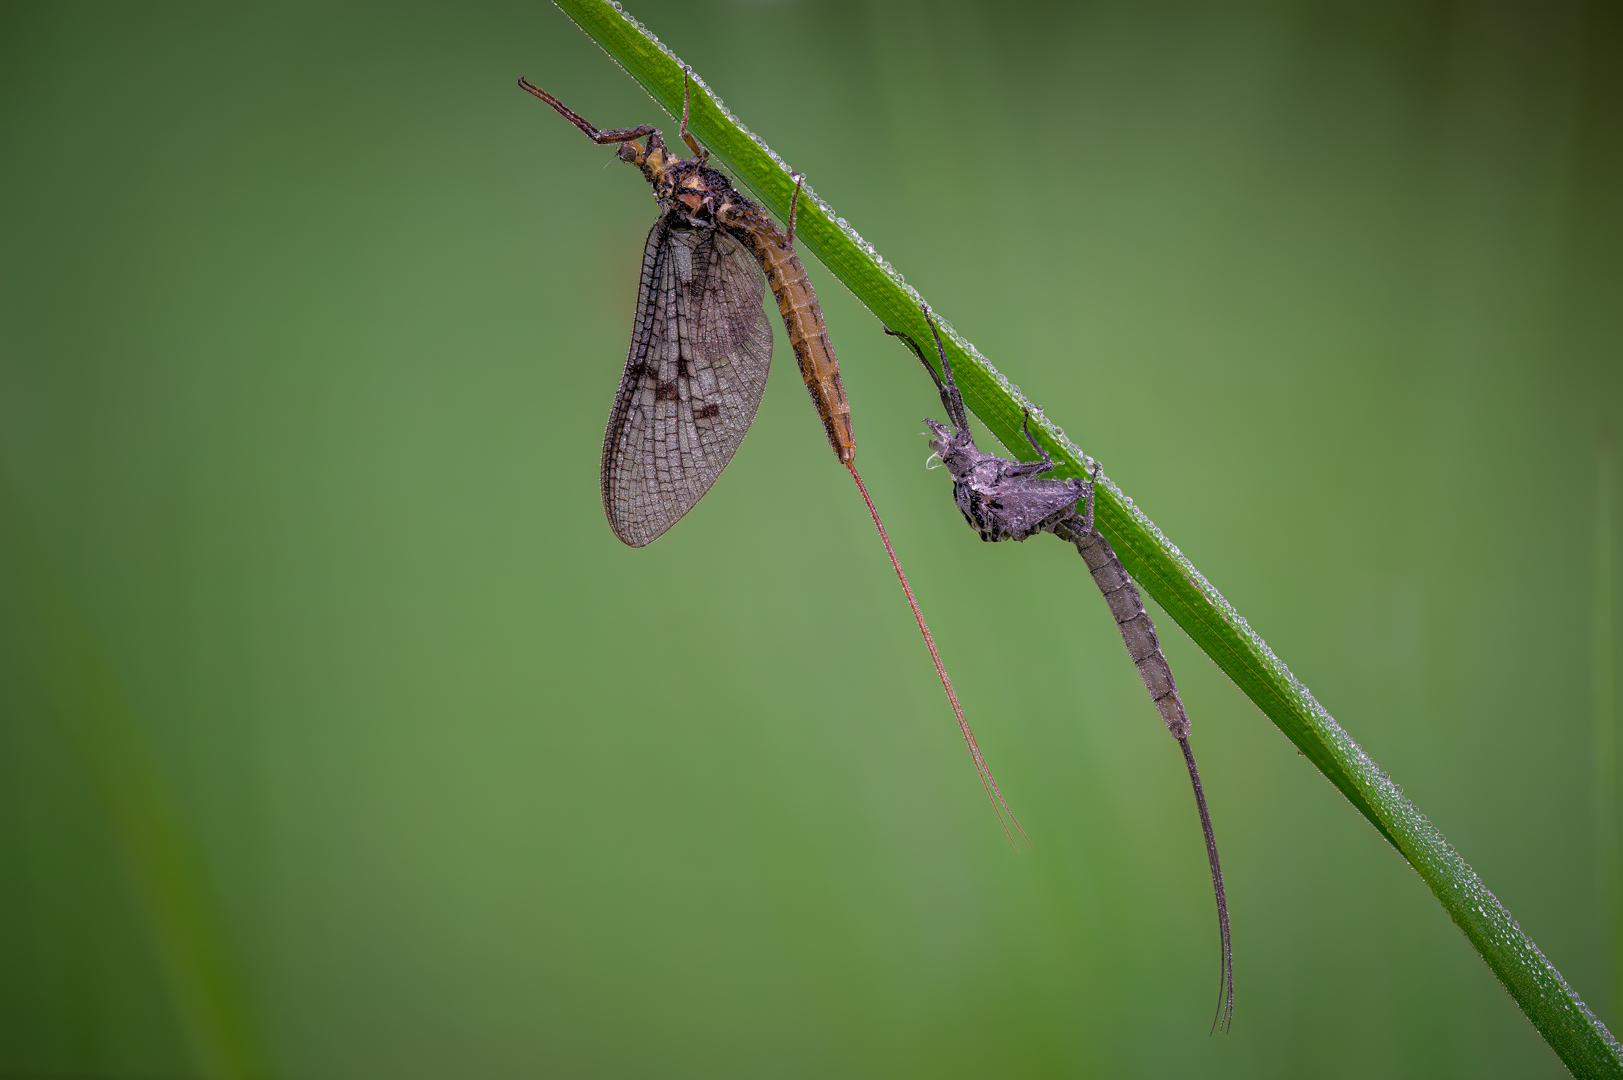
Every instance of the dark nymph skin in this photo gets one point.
(1011, 500)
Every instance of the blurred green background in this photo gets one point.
(341, 739)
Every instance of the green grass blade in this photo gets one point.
(1560, 1016)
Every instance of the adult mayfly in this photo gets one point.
(700, 351)
(1011, 500)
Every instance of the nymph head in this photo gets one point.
(956, 449)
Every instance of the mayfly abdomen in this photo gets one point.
(803, 319)
(803, 322)
(1137, 630)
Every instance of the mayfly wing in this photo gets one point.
(701, 347)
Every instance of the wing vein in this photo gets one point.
(701, 347)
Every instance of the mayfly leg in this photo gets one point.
(794, 206)
(687, 97)
(603, 138)
(950, 400)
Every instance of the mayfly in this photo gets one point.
(700, 351)
(1010, 500)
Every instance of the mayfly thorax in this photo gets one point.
(700, 352)
(1010, 500)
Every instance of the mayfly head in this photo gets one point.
(648, 154)
(688, 189)
(941, 437)
(954, 444)
(955, 447)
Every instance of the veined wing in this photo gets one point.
(700, 350)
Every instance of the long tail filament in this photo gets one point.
(1000, 806)
(1224, 1020)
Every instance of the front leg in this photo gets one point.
(1019, 470)
(687, 136)
(1022, 469)
(1025, 426)
(602, 138)
(1087, 499)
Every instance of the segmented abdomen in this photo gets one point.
(803, 320)
(1132, 620)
